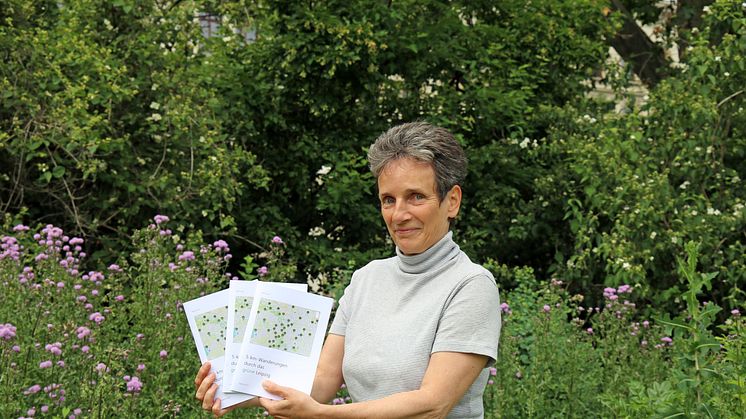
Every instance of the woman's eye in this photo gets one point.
(387, 200)
(419, 197)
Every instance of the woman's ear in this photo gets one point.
(453, 199)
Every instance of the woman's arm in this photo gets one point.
(447, 378)
(329, 377)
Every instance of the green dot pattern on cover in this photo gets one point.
(211, 327)
(285, 327)
(241, 317)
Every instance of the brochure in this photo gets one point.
(240, 297)
(207, 317)
(282, 340)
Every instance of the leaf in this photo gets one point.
(46, 177)
(675, 323)
(58, 172)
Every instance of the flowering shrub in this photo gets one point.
(101, 343)
(76, 343)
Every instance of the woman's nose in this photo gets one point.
(401, 212)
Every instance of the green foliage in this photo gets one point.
(608, 361)
(116, 110)
(106, 116)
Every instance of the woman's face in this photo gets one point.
(414, 214)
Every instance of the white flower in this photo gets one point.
(694, 213)
(684, 185)
(706, 9)
(324, 170)
(674, 240)
(718, 58)
(155, 105)
(726, 74)
(652, 235)
(712, 211)
(626, 265)
(156, 117)
(316, 232)
(525, 143)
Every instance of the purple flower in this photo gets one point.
(20, 227)
(97, 317)
(735, 313)
(31, 412)
(188, 255)
(139, 336)
(609, 292)
(45, 364)
(44, 409)
(33, 389)
(505, 308)
(115, 268)
(134, 385)
(119, 297)
(7, 331)
(141, 368)
(547, 308)
(277, 240)
(221, 246)
(160, 219)
(61, 363)
(163, 354)
(16, 348)
(624, 289)
(85, 349)
(493, 371)
(667, 340)
(101, 367)
(262, 270)
(589, 330)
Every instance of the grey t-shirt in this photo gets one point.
(396, 312)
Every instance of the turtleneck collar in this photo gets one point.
(437, 255)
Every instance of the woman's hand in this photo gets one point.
(206, 388)
(295, 404)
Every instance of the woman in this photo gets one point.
(414, 334)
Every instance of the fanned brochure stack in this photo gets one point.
(256, 331)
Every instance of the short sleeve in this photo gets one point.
(342, 315)
(471, 322)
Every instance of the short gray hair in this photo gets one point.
(426, 143)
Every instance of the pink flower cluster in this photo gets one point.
(10, 248)
(134, 385)
(613, 293)
(7, 331)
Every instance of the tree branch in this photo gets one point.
(634, 45)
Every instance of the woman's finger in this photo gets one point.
(275, 389)
(205, 386)
(201, 374)
(216, 409)
(209, 399)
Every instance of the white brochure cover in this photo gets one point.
(207, 317)
(240, 297)
(283, 340)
